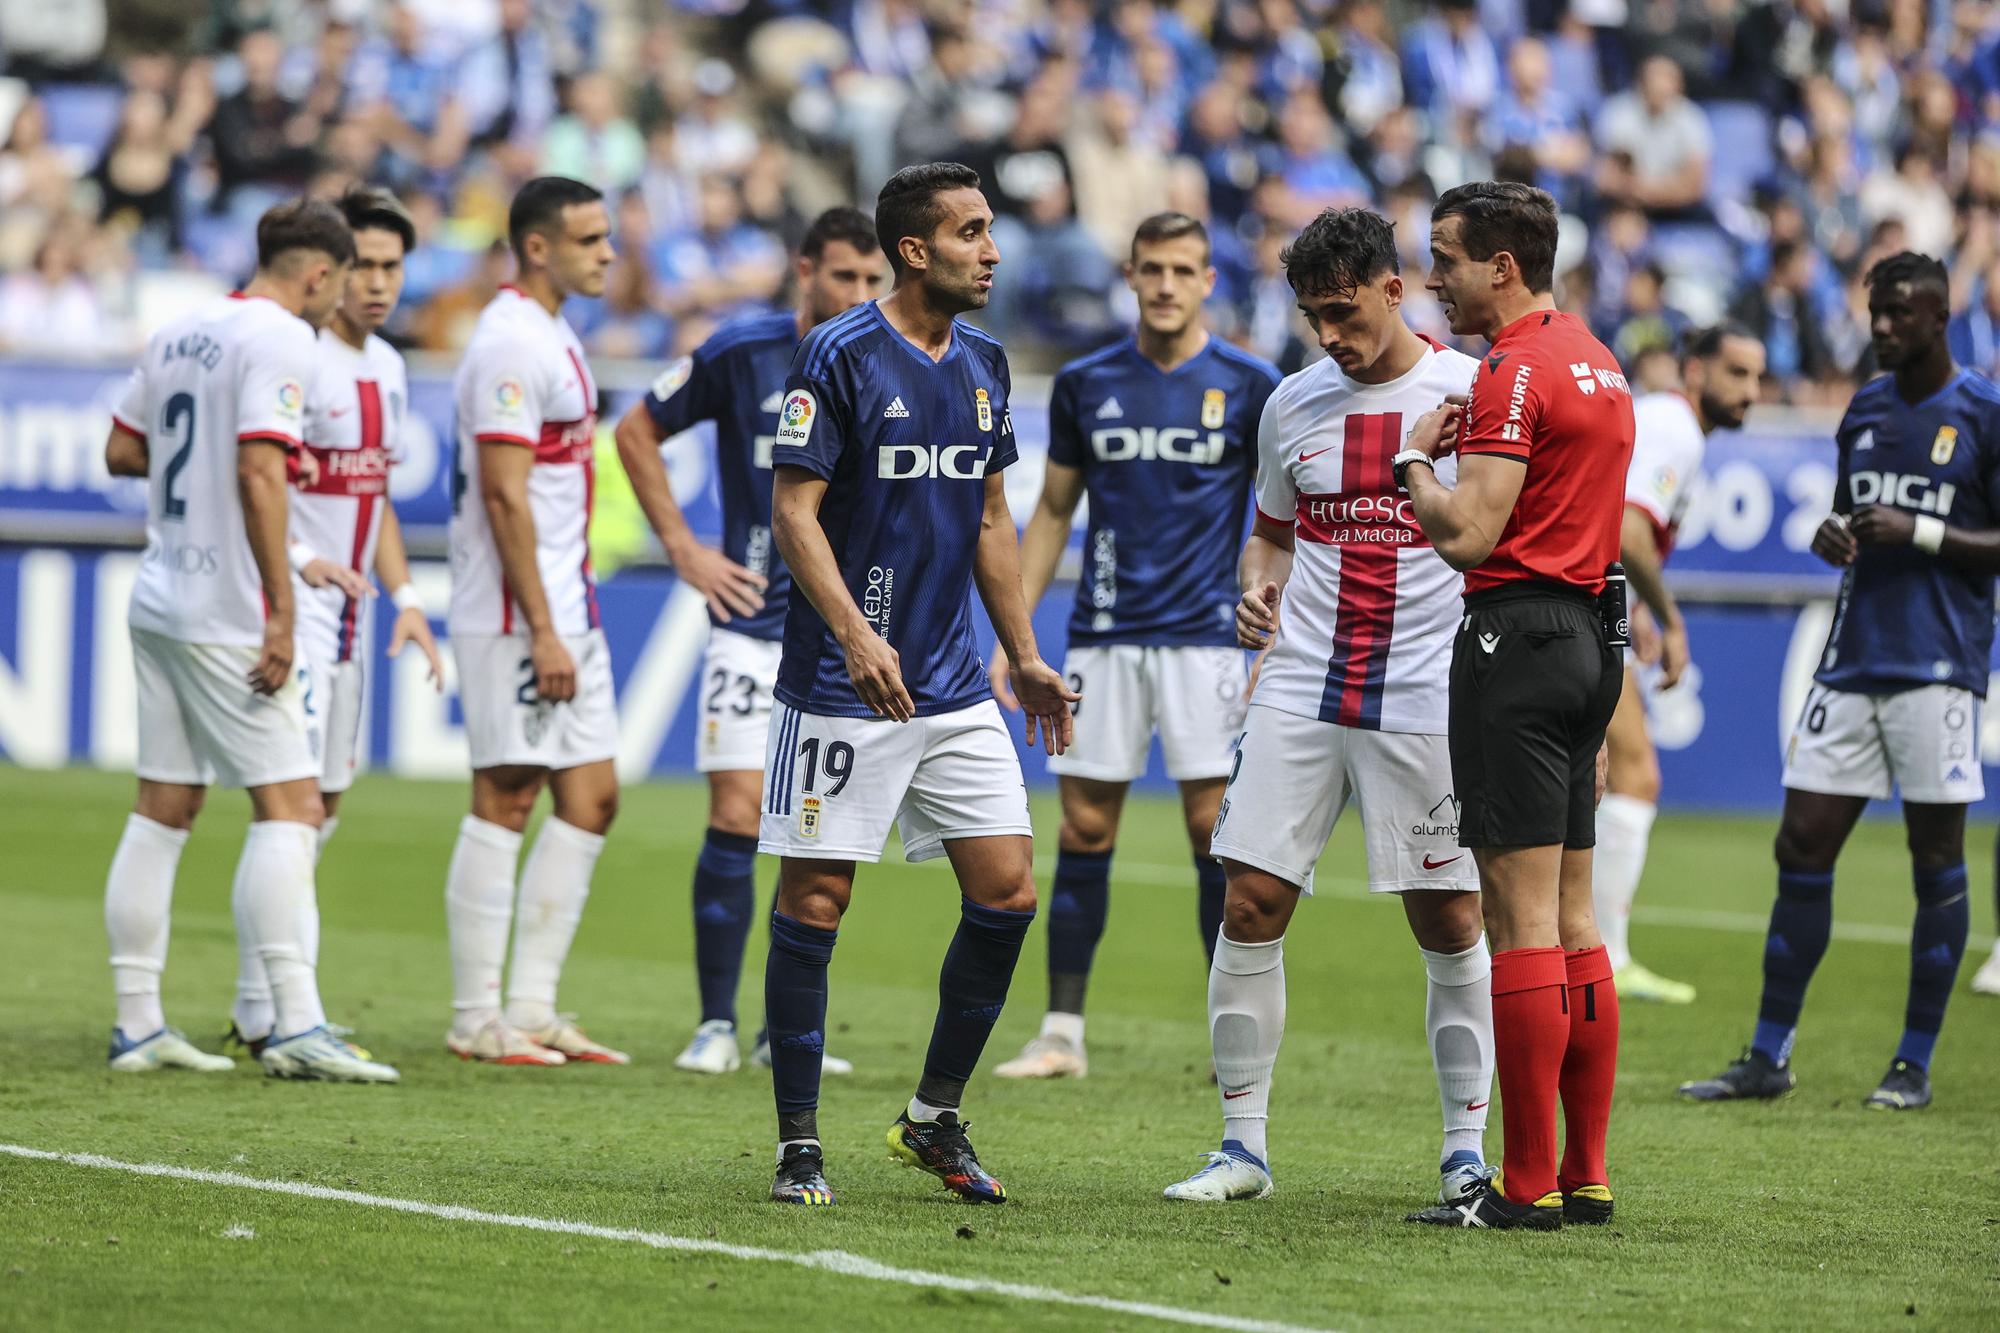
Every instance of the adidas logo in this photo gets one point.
(1866, 440)
(1110, 411)
(895, 410)
(774, 403)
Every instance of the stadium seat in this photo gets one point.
(82, 116)
(1744, 154)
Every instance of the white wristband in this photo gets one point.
(300, 555)
(1929, 535)
(406, 598)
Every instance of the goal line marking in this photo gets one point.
(838, 1262)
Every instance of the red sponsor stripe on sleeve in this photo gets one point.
(503, 437)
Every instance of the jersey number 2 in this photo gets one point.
(177, 420)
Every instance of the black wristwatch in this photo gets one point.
(1400, 465)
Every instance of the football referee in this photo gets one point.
(1544, 443)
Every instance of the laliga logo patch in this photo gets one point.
(508, 396)
(673, 377)
(1214, 404)
(1944, 445)
(984, 407)
(809, 817)
(291, 397)
(795, 421)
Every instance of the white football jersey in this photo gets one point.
(232, 372)
(1366, 621)
(1667, 450)
(354, 426)
(523, 382)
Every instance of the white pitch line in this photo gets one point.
(838, 1262)
(1737, 923)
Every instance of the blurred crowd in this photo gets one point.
(1711, 157)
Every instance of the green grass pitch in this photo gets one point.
(1810, 1211)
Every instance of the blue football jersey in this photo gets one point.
(737, 380)
(905, 445)
(1906, 618)
(1167, 458)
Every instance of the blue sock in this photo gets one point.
(1212, 888)
(972, 987)
(1937, 943)
(725, 899)
(795, 1010)
(1079, 900)
(1801, 923)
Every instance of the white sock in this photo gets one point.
(1624, 823)
(1458, 1026)
(254, 1013)
(478, 908)
(138, 900)
(554, 884)
(275, 897)
(924, 1111)
(1067, 1026)
(1246, 1021)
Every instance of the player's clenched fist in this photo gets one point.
(877, 672)
(555, 669)
(1257, 617)
(1046, 698)
(1833, 543)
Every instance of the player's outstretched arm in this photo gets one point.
(1042, 543)
(125, 453)
(1262, 573)
(874, 668)
(413, 623)
(1976, 550)
(503, 488)
(996, 572)
(1639, 552)
(261, 483)
(731, 589)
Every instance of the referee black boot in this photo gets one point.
(1488, 1208)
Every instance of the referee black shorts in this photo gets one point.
(1533, 686)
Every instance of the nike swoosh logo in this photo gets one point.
(1478, 1106)
(1307, 458)
(1232, 1096)
(1439, 865)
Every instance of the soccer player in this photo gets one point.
(342, 526)
(1358, 614)
(1895, 702)
(737, 380)
(533, 668)
(213, 408)
(1158, 430)
(887, 502)
(1721, 374)
(1533, 521)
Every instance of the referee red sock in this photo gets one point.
(1530, 1032)
(1589, 1067)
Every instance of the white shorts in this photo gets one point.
(201, 723)
(340, 686)
(1925, 741)
(1294, 775)
(834, 784)
(737, 677)
(1192, 696)
(507, 722)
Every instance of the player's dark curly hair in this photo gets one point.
(1505, 215)
(1913, 268)
(840, 224)
(540, 204)
(1340, 250)
(908, 204)
(301, 226)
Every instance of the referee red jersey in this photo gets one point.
(1552, 396)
